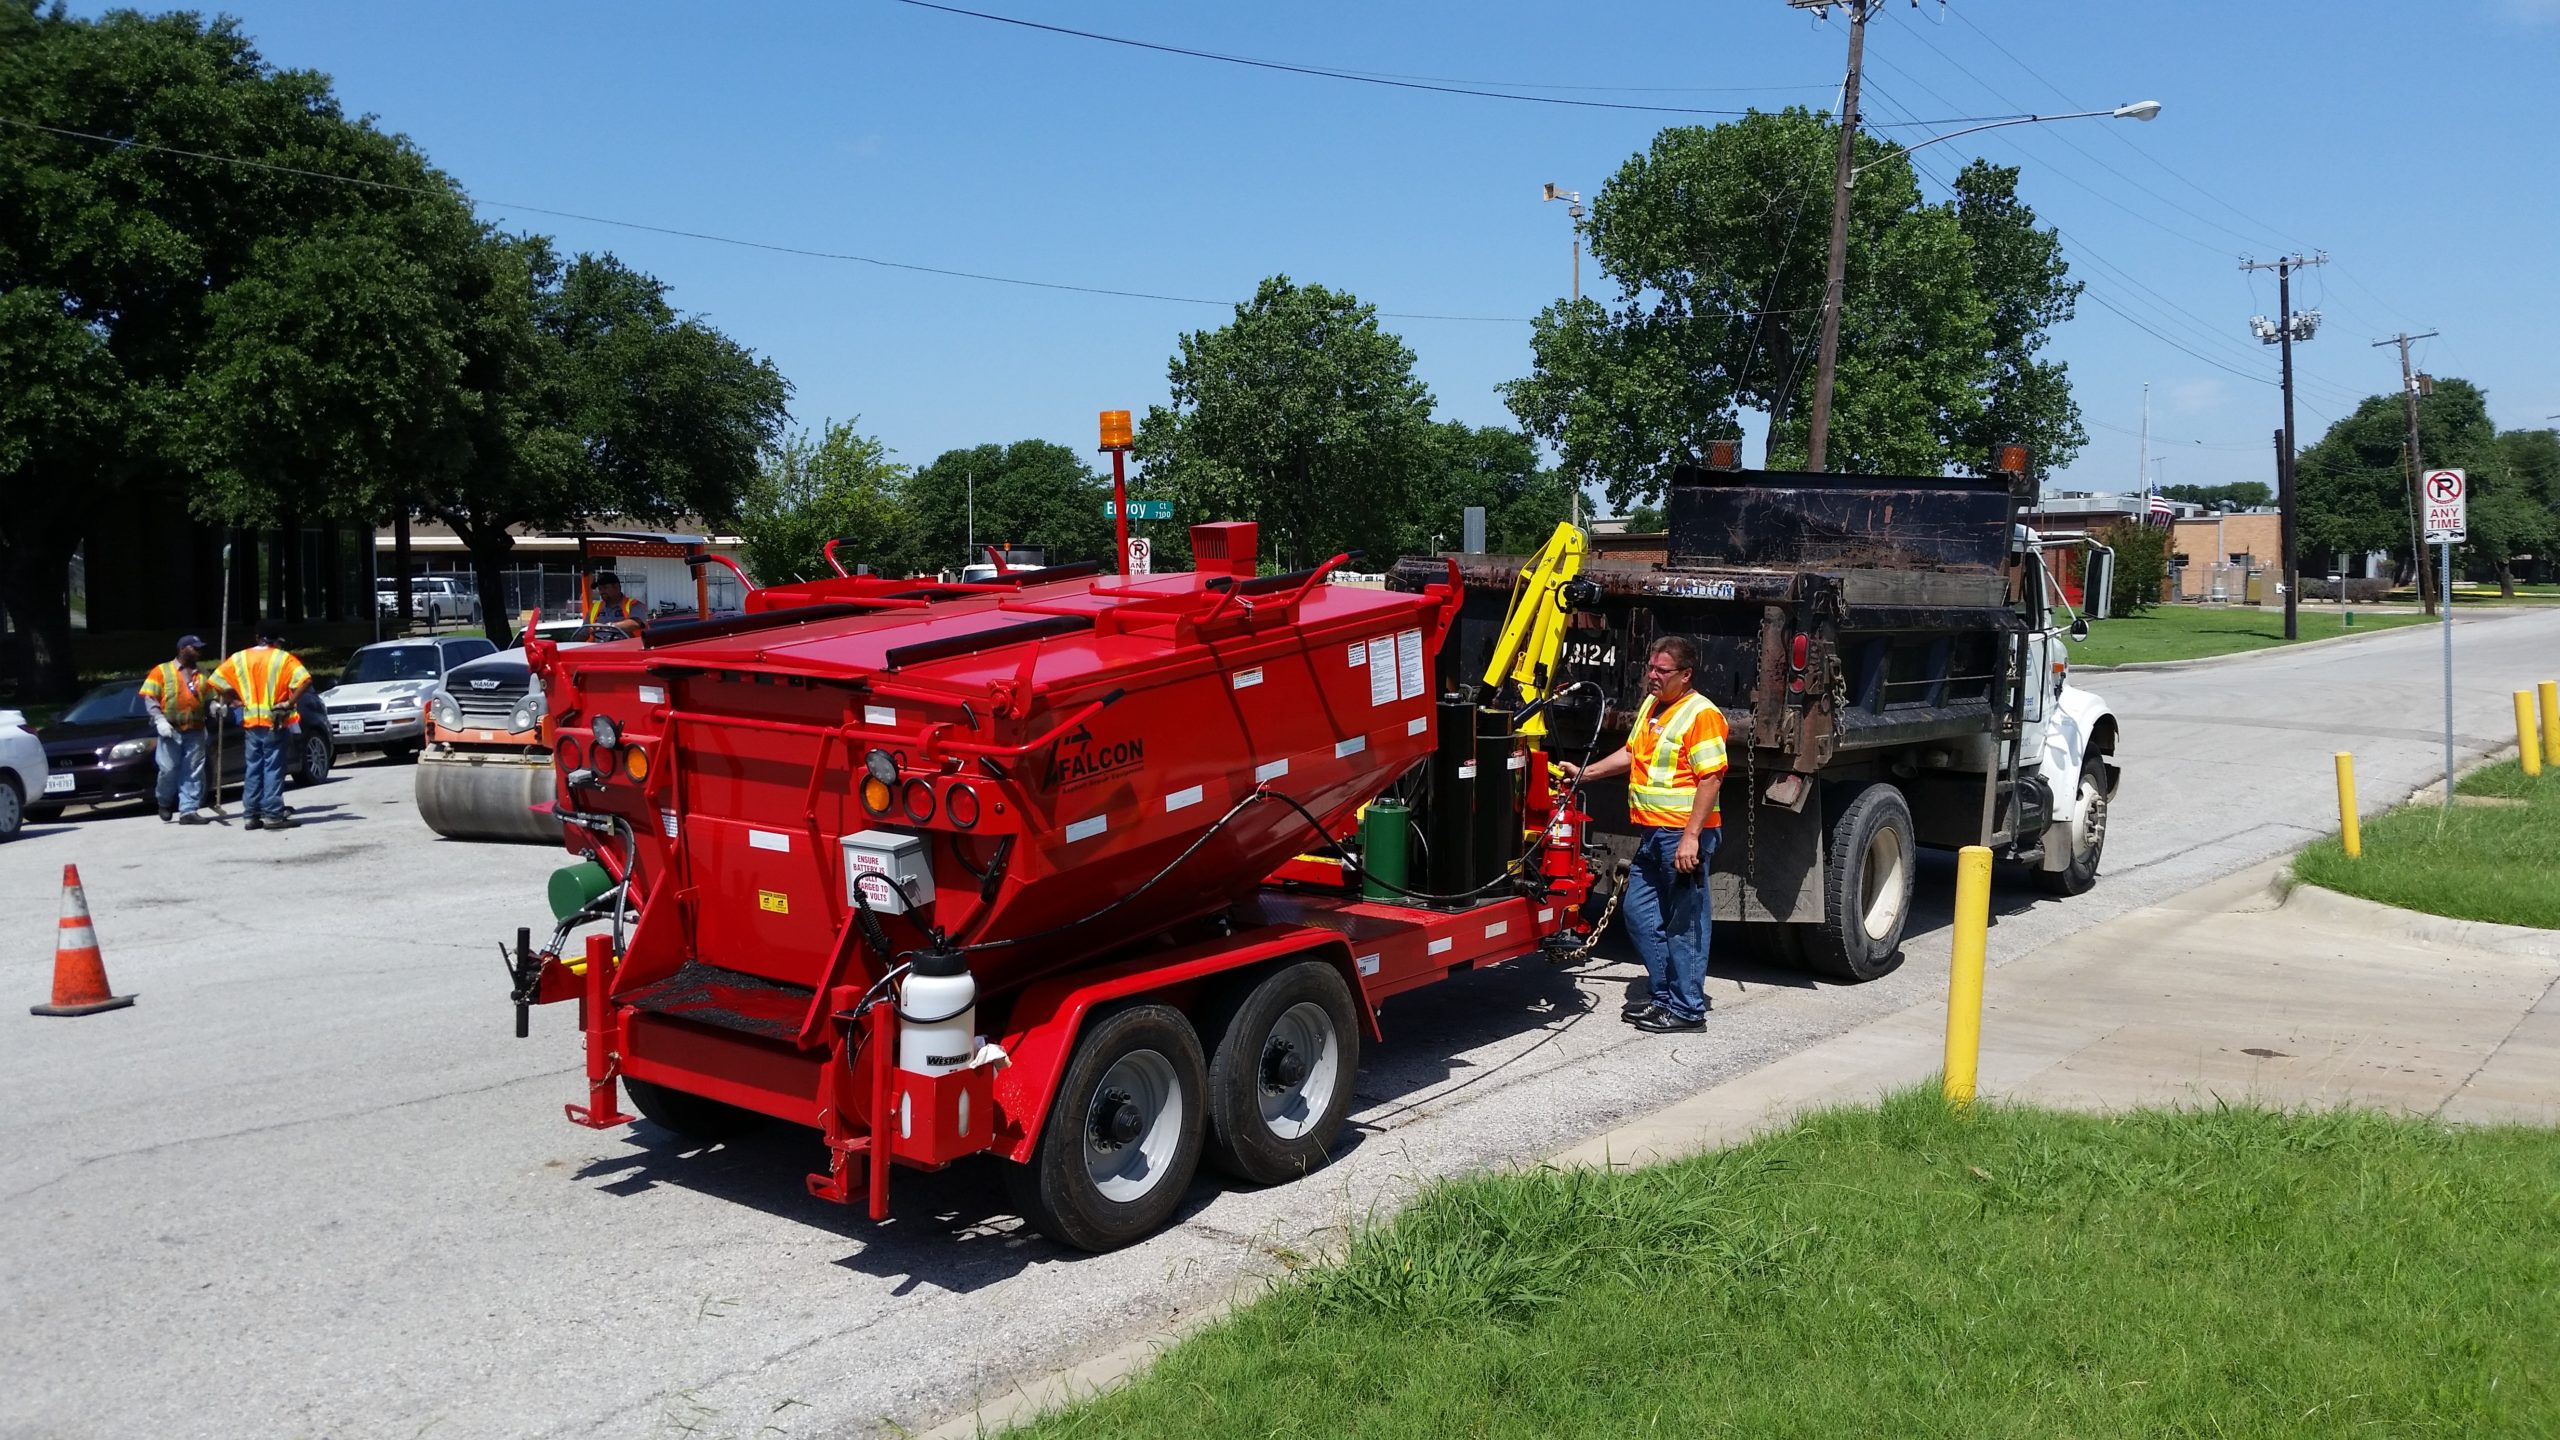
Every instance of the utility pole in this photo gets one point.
(1818, 442)
(2142, 466)
(2411, 464)
(1573, 212)
(2283, 333)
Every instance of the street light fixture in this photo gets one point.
(1573, 210)
(2138, 110)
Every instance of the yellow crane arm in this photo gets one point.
(1533, 630)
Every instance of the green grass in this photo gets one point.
(1904, 1270)
(2187, 632)
(2472, 863)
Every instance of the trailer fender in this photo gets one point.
(1041, 1032)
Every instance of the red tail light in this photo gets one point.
(1796, 652)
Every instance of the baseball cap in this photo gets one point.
(190, 642)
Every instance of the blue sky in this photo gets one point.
(2401, 136)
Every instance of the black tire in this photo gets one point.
(1866, 890)
(688, 1114)
(313, 758)
(1767, 942)
(2088, 840)
(1141, 1048)
(13, 807)
(1286, 1051)
(403, 752)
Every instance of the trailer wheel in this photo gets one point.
(1866, 888)
(2088, 832)
(1123, 1137)
(1280, 1079)
(686, 1113)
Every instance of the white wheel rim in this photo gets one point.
(1880, 887)
(10, 811)
(1291, 1108)
(2088, 819)
(1127, 1170)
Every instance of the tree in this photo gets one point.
(2352, 487)
(1031, 492)
(2512, 516)
(1497, 469)
(840, 486)
(585, 394)
(2142, 563)
(1715, 238)
(1301, 415)
(2242, 494)
(183, 333)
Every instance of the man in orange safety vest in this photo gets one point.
(1674, 761)
(266, 682)
(175, 698)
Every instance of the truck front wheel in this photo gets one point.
(1866, 893)
(2085, 829)
(1123, 1136)
(1280, 1081)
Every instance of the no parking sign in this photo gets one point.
(2446, 494)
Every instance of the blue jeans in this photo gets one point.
(262, 783)
(181, 783)
(1669, 917)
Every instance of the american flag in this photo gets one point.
(2160, 510)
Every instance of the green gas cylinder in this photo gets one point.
(1382, 849)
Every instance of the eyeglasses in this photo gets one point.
(1666, 669)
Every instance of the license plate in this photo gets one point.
(350, 727)
(59, 784)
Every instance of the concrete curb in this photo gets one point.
(2319, 903)
(2205, 661)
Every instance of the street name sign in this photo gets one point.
(2446, 494)
(1142, 510)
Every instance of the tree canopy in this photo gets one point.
(2245, 494)
(1715, 238)
(1032, 492)
(840, 486)
(2353, 484)
(1302, 415)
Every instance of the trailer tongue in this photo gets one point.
(964, 869)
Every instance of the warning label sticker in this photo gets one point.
(773, 900)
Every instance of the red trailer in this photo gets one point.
(940, 870)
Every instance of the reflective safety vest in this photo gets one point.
(1671, 758)
(178, 691)
(628, 609)
(264, 679)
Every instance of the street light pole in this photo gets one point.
(1573, 212)
(2282, 334)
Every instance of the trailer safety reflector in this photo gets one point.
(885, 716)
(1352, 746)
(1087, 829)
(1546, 915)
(1442, 944)
(1417, 724)
(1271, 770)
(652, 695)
(1183, 798)
(773, 840)
(1496, 928)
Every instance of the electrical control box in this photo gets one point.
(889, 869)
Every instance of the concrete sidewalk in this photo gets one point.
(2232, 992)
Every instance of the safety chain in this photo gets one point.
(1600, 927)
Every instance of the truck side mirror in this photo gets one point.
(2080, 628)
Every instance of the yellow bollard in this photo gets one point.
(1964, 981)
(2550, 690)
(2348, 831)
(2528, 744)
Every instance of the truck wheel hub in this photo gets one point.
(1116, 1120)
(1283, 1067)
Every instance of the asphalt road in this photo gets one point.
(312, 1185)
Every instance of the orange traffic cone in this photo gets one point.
(79, 971)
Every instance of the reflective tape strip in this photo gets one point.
(769, 840)
(1546, 915)
(1352, 746)
(1417, 724)
(1087, 829)
(1442, 944)
(1183, 798)
(884, 715)
(1272, 771)
(81, 938)
(1496, 928)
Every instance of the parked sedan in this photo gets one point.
(100, 751)
(380, 702)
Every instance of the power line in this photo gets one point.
(764, 245)
(1364, 77)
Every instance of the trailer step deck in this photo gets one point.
(730, 999)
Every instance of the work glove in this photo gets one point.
(167, 730)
